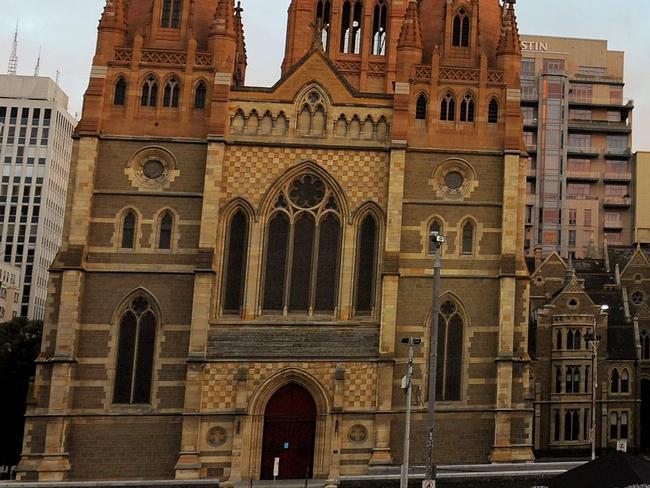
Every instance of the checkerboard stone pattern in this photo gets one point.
(360, 387)
(250, 170)
(219, 382)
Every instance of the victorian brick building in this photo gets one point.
(240, 263)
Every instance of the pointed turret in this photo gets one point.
(223, 22)
(242, 57)
(411, 35)
(114, 16)
(409, 47)
(509, 41)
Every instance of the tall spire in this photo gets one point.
(13, 58)
(411, 35)
(242, 58)
(37, 68)
(509, 42)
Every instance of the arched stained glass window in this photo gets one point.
(119, 98)
(366, 266)
(451, 326)
(135, 355)
(303, 249)
(421, 107)
(235, 265)
(128, 230)
(461, 29)
(166, 230)
(467, 108)
(493, 111)
(149, 96)
(468, 239)
(200, 96)
(448, 108)
(172, 93)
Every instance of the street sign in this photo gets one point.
(428, 484)
(621, 446)
(276, 467)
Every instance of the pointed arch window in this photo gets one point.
(235, 265)
(614, 381)
(379, 28)
(448, 108)
(645, 345)
(128, 230)
(172, 93)
(135, 354)
(119, 97)
(303, 249)
(573, 379)
(468, 239)
(435, 226)
(200, 96)
(571, 425)
(149, 96)
(493, 111)
(558, 380)
(421, 107)
(461, 28)
(625, 381)
(323, 19)
(351, 27)
(171, 14)
(166, 231)
(467, 108)
(557, 424)
(450, 352)
(367, 241)
(558, 339)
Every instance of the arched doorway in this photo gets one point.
(645, 415)
(289, 433)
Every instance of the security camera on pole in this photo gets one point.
(437, 240)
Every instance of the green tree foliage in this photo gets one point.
(20, 343)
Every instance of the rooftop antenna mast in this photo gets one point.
(13, 59)
(37, 69)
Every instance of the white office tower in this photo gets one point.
(35, 150)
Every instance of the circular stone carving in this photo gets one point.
(152, 168)
(358, 434)
(637, 297)
(217, 436)
(313, 97)
(454, 179)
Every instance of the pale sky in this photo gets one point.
(66, 31)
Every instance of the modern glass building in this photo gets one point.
(35, 151)
(577, 128)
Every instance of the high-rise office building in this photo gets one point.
(641, 165)
(577, 128)
(35, 151)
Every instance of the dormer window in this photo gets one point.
(351, 27)
(171, 14)
(460, 35)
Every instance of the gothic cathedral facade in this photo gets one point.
(240, 263)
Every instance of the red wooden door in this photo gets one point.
(289, 433)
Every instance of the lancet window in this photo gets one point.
(323, 19)
(451, 326)
(171, 14)
(493, 111)
(351, 27)
(235, 264)
(379, 28)
(172, 93)
(119, 97)
(467, 108)
(366, 271)
(149, 96)
(448, 108)
(128, 230)
(200, 96)
(166, 231)
(421, 107)
(303, 248)
(461, 29)
(135, 354)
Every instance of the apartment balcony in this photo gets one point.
(620, 202)
(530, 199)
(531, 173)
(530, 123)
(617, 177)
(616, 153)
(529, 96)
(613, 225)
(583, 175)
(604, 102)
(582, 197)
(600, 126)
(531, 148)
(588, 152)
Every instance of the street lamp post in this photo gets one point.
(436, 240)
(407, 385)
(594, 341)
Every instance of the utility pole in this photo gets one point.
(407, 385)
(594, 342)
(436, 240)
